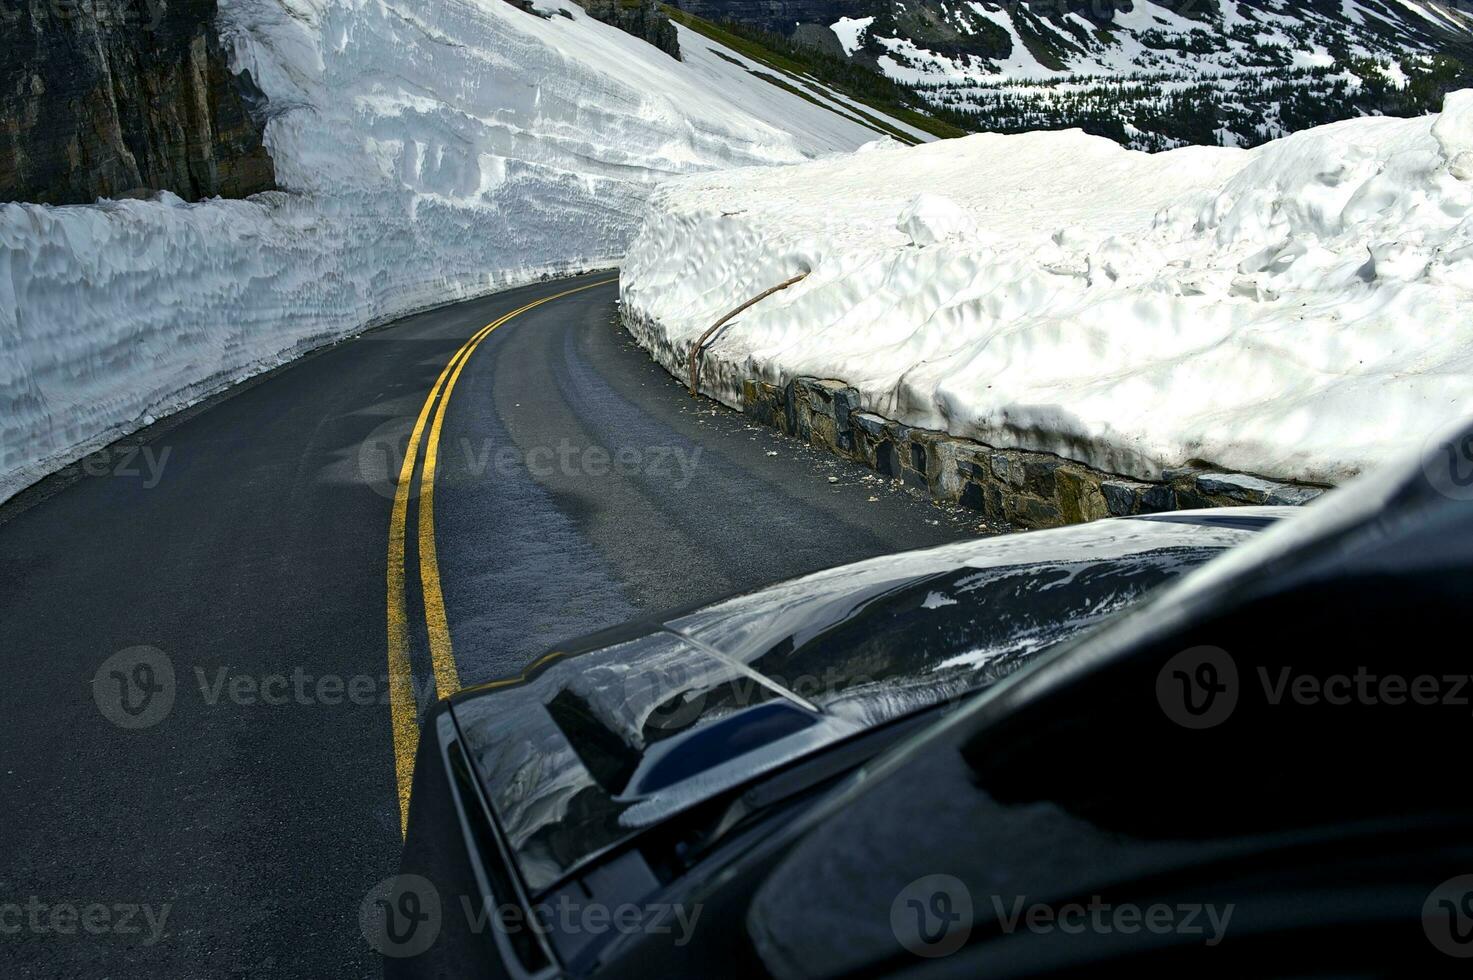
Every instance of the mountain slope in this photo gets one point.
(1155, 75)
(1150, 75)
(970, 39)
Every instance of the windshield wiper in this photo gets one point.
(802, 780)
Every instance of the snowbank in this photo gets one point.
(429, 153)
(1299, 310)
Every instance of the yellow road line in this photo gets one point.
(447, 676)
(403, 709)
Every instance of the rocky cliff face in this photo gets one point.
(114, 98)
(642, 18)
(780, 16)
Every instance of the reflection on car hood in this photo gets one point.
(614, 734)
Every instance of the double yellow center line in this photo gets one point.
(403, 709)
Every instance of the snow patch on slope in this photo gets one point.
(849, 29)
(1298, 310)
(429, 153)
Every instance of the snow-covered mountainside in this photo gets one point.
(1298, 310)
(963, 39)
(427, 152)
(1149, 74)
(1160, 73)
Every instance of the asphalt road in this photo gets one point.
(231, 822)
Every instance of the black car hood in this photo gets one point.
(612, 735)
(1088, 778)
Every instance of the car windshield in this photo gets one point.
(603, 744)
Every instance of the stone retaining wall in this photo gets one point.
(1029, 489)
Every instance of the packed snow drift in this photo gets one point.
(427, 153)
(1299, 310)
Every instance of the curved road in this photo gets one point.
(203, 628)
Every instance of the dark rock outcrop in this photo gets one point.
(122, 98)
(642, 18)
(819, 37)
(779, 16)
